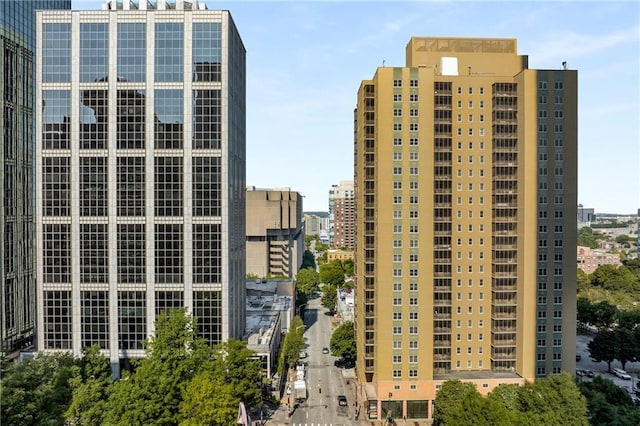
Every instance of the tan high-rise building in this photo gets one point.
(275, 232)
(466, 184)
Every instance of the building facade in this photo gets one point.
(590, 259)
(342, 211)
(315, 222)
(17, 270)
(275, 232)
(140, 160)
(585, 215)
(465, 181)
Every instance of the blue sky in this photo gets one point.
(306, 59)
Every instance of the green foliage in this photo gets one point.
(583, 280)
(587, 238)
(555, 400)
(633, 265)
(347, 267)
(615, 279)
(321, 247)
(609, 404)
(292, 345)
(332, 273)
(90, 389)
(308, 260)
(628, 347)
(329, 297)
(601, 314)
(603, 347)
(307, 280)
(37, 391)
(343, 343)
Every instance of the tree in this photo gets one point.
(152, 395)
(90, 389)
(329, 297)
(627, 346)
(603, 314)
(343, 343)
(583, 280)
(587, 238)
(292, 345)
(307, 280)
(615, 278)
(37, 391)
(584, 310)
(628, 319)
(308, 260)
(609, 404)
(213, 395)
(347, 267)
(332, 273)
(555, 400)
(508, 397)
(458, 403)
(603, 347)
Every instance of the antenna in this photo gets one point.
(383, 61)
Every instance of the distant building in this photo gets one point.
(336, 254)
(140, 170)
(342, 215)
(590, 259)
(315, 222)
(17, 231)
(586, 215)
(275, 232)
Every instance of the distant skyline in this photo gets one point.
(306, 59)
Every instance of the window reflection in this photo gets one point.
(131, 112)
(56, 111)
(206, 119)
(56, 53)
(132, 49)
(169, 51)
(94, 51)
(169, 122)
(93, 119)
(206, 51)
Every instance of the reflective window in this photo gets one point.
(94, 52)
(131, 116)
(56, 106)
(169, 121)
(207, 254)
(206, 186)
(94, 263)
(131, 180)
(131, 253)
(94, 119)
(57, 319)
(56, 253)
(207, 308)
(56, 53)
(207, 48)
(93, 186)
(168, 186)
(206, 119)
(169, 51)
(132, 48)
(56, 186)
(168, 253)
(132, 319)
(95, 318)
(168, 300)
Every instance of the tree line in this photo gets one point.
(181, 381)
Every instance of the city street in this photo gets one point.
(324, 380)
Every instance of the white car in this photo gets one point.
(620, 373)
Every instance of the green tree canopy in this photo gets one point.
(609, 404)
(292, 345)
(37, 391)
(308, 260)
(555, 400)
(615, 278)
(332, 273)
(587, 238)
(347, 267)
(307, 280)
(628, 347)
(458, 403)
(583, 280)
(603, 347)
(329, 297)
(343, 343)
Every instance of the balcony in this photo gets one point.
(442, 330)
(505, 301)
(503, 356)
(504, 329)
(442, 288)
(504, 342)
(441, 357)
(442, 302)
(442, 343)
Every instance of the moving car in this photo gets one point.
(342, 400)
(325, 350)
(620, 373)
(302, 354)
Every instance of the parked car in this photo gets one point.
(580, 372)
(325, 350)
(620, 373)
(342, 400)
(302, 354)
(589, 373)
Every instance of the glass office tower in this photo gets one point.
(17, 293)
(141, 174)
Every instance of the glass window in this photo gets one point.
(56, 118)
(168, 300)
(169, 120)
(206, 119)
(168, 253)
(131, 186)
(94, 263)
(169, 51)
(168, 186)
(94, 119)
(95, 318)
(56, 53)
(56, 186)
(207, 308)
(57, 319)
(131, 118)
(132, 319)
(131, 253)
(93, 186)
(132, 49)
(207, 253)
(56, 253)
(206, 186)
(94, 52)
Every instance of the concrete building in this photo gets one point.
(342, 227)
(315, 222)
(275, 232)
(590, 259)
(140, 159)
(465, 165)
(17, 274)
(585, 215)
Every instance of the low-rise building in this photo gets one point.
(335, 254)
(589, 259)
